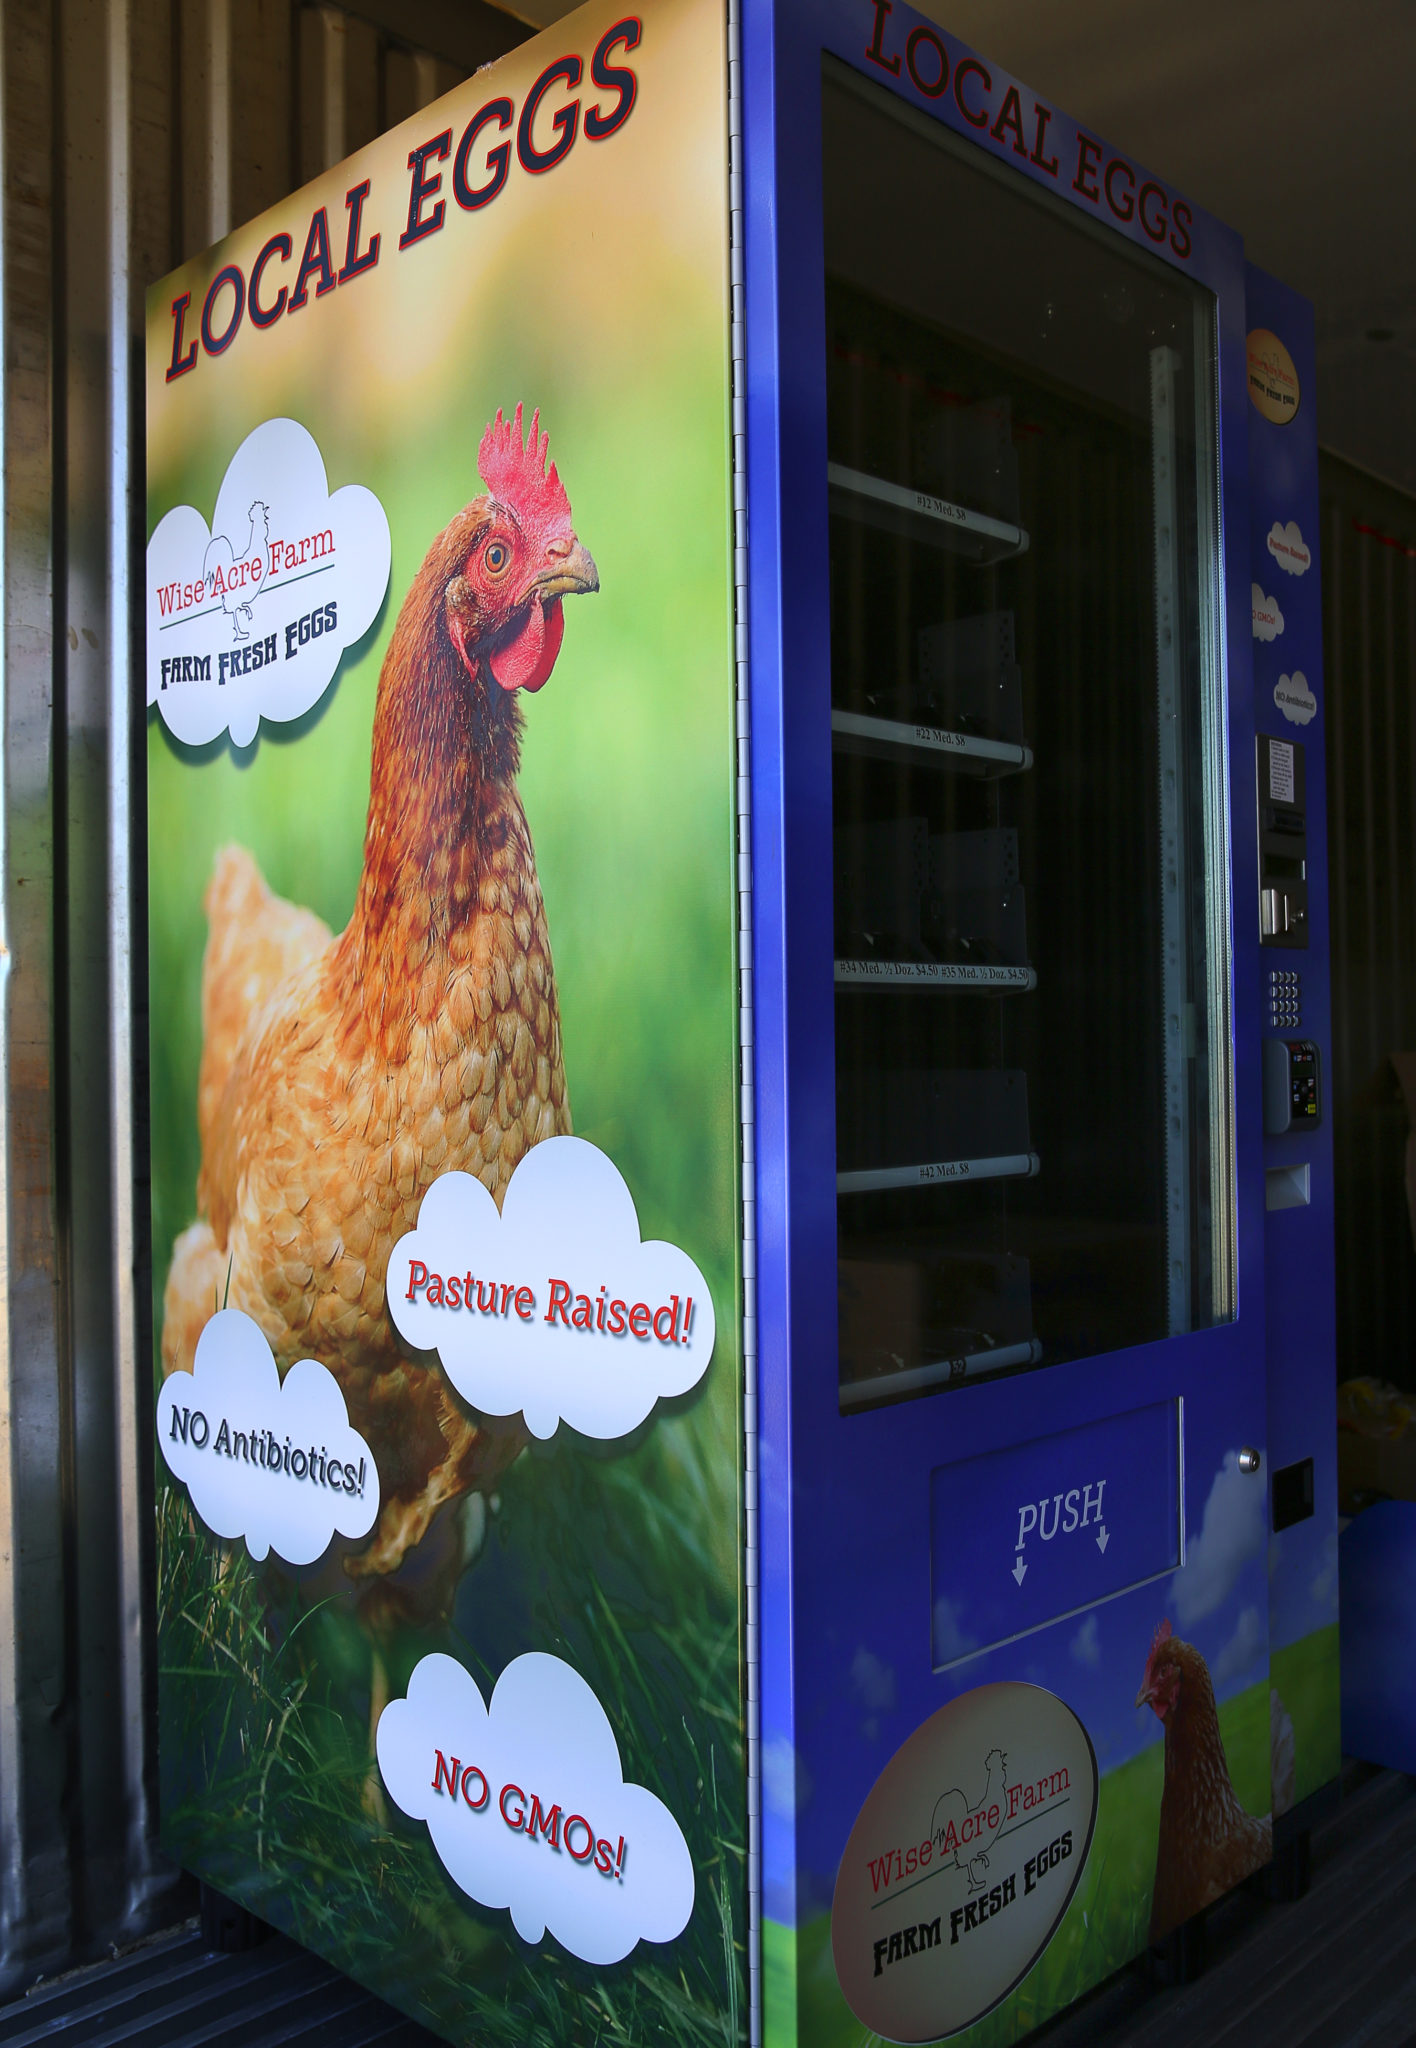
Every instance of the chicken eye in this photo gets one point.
(497, 557)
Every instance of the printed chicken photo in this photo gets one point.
(1208, 1843)
(340, 1076)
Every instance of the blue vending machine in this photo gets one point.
(1040, 1016)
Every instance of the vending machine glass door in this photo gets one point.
(1030, 822)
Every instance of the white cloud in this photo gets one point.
(786, 1785)
(950, 1640)
(1232, 1532)
(274, 1462)
(874, 1685)
(1085, 1645)
(574, 1318)
(528, 1808)
(247, 619)
(1288, 548)
(1245, 1655)
(1294, 699)
(874, 1681)
(1268, 619)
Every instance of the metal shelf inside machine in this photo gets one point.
(855, 732)
(986, 976)
(937, 521)
(1005, 1166)
(938, 1372)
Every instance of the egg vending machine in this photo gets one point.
(1020, 989)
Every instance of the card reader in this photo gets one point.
(1292, 1092)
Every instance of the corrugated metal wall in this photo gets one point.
(132, 133)
(1369, 654)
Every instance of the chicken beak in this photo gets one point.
(574, 575)
(1145, 1697)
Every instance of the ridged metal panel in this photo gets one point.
(1369, 657)
(132, 133)
(178, 1994)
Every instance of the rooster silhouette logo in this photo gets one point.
(230, 576)
(963, 1833)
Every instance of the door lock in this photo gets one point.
(1249, 1459)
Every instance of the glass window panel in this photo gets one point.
(1034, 1153)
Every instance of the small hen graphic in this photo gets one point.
(219, 565)
(964, 1846)
(1208, 1843)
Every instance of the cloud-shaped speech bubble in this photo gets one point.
(1288, 547)
(1268, 619)
(528, 1808)
(554, 1309)
(247, 620)
(1294, 699)
(275, 1462)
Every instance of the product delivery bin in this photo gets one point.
(741, 1194)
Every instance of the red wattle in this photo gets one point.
(526, 662)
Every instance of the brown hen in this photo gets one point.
(1208, 1843)
(341, 1076)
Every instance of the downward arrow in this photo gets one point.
(1102, 1540)
(1019, 1570)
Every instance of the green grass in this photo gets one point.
(266, 1774)
(1106, 1924)
(779, 1984)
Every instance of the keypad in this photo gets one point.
(1285, 995)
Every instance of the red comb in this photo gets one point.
(517, 474)
(1161, 1637)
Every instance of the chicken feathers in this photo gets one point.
(1208, 1843)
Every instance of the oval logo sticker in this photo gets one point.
(962, 1861)
(1273, 381)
